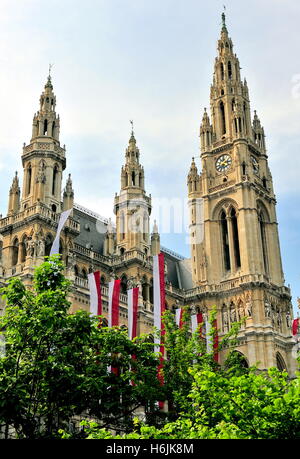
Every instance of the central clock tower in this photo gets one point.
(235, 250)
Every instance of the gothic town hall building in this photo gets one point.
(235, 262)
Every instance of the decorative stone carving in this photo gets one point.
(225, 320)
(267, 309)
(30, 247)
(248, 308)
(40, 248)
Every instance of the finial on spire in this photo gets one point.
(49, 82)
(131, 122)
(50, 68)
(224, 19)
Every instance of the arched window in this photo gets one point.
(23, 249)
(235, 235)
(229, 70)
(54, 180)
(15, 252)
(123, 284)
(236, 358)
(122, 250)
(53, 129)
(225, 241)
(29, 178)
(264, 181)
(48, 245)
(280, 363)
(263, 240)
(84, 274)
(76, 272)
(232, 105)
(103, 281)
(45, 127)
(222, 71)
(133, 178)
(222, 118)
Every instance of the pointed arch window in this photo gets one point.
(222, 118)
(229, 70)
(225, 241)
(280, 363)
(15, 252)
(48, 245)
(29, 179)
(262, 228)
(54, 180)
(222, 71)
(133, 178)
(24, 249)
(45, 127)
(235, 235)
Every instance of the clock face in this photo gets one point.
(223, 163)
(255, 164)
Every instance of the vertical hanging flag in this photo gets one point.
(159, 308)
(113, 302)
(95, 293)
(132, 298)
(295, 326)
(197, 319)
(113, 310)
(212, 343)
(179, 313)
(62, 220)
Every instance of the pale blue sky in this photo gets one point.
(150, 61)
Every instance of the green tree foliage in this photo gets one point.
(244, 406)
(57, 365)
(213, 402)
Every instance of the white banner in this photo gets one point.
(62, 220)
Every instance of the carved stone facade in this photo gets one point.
(237, 253)
(235, 262)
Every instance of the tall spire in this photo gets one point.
(45, 122)
(14, 196)
(229, 98)
(132, 174)
(224, 28)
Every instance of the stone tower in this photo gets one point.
(132, 206)
(238, 259)
(30, 226)
(44, 159)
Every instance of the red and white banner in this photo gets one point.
(95, 293)
(295, 327)
(211, 343)
(197, 319)
(159, 293)
(179, 313)
(159, 308)
(114, 302)
(133, 299)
